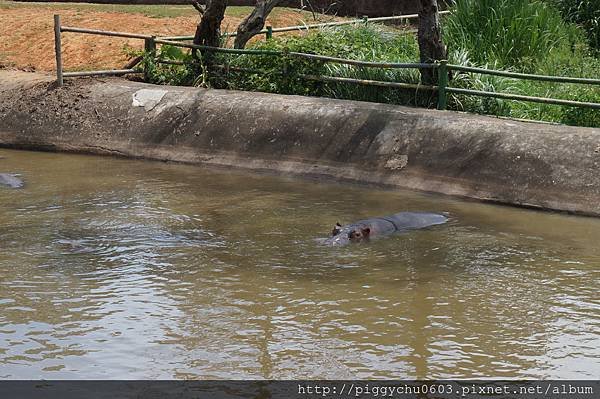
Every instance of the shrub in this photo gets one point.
(165, 74)
(359, 42)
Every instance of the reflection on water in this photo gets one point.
(127, 269)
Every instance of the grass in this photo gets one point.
(585, 13)
(511, 34)
(525, 36)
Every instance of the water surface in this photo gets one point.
(119, 269)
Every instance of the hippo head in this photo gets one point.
(359, 234)
(345, 235)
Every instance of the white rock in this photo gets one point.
(147, 98)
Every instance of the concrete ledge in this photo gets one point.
(525, 164)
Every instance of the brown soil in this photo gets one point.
(28, 37)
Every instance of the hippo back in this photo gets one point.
(416, 220)
(10, 180)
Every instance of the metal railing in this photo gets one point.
(442, 68)
(524, 76)
(60, 74)
(269, 30)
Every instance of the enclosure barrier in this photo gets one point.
(442, 67)
(60, 74)
(269, 30)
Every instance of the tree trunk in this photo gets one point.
(254, 22)
(431, 46)
(208, 31)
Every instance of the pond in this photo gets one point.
(113, 268)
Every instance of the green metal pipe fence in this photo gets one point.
(269, 30)
(443, 69)
(525, 76)
(518, 97)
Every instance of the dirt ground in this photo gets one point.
(27, 33)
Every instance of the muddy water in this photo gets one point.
(129, 269)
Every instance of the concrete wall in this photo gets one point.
(527, 164)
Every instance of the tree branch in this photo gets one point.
(199, 7)
(208, 31)
(255, 22)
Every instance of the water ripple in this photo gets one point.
(151, 270)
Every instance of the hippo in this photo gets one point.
(363, 230)
(10, 180)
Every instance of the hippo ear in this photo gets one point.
(336, 229)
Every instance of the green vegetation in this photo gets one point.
(165, 74)
(358, 42)
(515, 35)
(511, 34)
(523, 36)
(585, 13)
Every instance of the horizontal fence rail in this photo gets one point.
(525, 76)
(365, 82)
(370, 64)
(217, 49)
(442, 67)
(387, 65)
(60, 74)
(271, 30)
(321, 78)
(104, 32)
(113, 72)
(518, 97)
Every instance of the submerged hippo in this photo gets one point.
(10, 180)
(363, 230)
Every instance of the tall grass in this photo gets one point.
(585, 13)
(527, 36)
(513, 34)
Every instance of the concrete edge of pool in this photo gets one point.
(536, 165)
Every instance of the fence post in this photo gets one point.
(442, 84)
(58, 51)
(366, 19)
(269, 32)
(150, 44)
(286, 70)
(150, 48)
